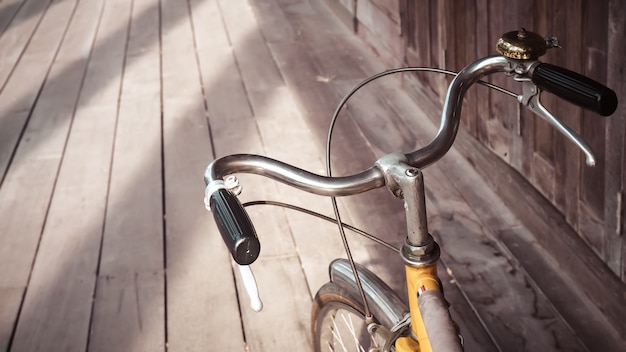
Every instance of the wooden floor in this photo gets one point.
(109, 112)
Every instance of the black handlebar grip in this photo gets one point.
(576, 88)
(235, 226)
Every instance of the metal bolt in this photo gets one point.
(412, 172)
(232, 183)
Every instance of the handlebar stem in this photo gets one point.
(407, 182)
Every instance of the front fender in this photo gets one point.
(383, 302)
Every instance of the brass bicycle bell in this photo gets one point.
(524, 45)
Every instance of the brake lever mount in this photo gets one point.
(531, 98)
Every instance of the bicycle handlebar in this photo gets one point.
(234, 223)
(294, 176)
(451, 113)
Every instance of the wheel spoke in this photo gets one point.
(340, 324)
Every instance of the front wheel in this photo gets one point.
(338, 322)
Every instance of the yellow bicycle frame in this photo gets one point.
(418, 280)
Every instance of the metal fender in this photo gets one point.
(384, 303)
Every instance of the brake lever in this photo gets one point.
(249, 283)
(247, 277)
(530, 97)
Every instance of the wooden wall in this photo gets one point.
(451, 34)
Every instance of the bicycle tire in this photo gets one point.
(342, 294)
(338, 321)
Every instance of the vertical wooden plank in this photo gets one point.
(407, 23)
(615, 142)
(465, 43)
(435, 28)
(503, 113)
(128, 312)
(566, 155)
(436, 51)
(448, 28)
(592, 196)
(542, 134)
(422, 34)
(202, 304)
(484, 47)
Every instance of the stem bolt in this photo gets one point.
(412, 172)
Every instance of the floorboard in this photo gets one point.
(19, 28)
(28, 186)
(129, 311)
(201, 297)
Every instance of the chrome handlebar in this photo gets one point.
(451, 113)
(293, 176)
(374, 176)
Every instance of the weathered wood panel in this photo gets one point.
(452, 34)
(616, 142)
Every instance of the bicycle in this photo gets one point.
(362, 306)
